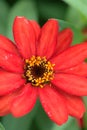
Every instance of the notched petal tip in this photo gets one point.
(19, 17)
(24, 36)
(68, 33)
(52, 23)
(53, 19)
(64, 40)
(69, 30)
(18, 20)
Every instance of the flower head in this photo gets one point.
(42, 64)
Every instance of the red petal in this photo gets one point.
(80, 70)
(24, 103)
(10, 61)
(4, 110)
(71, 84)
(24, 36)
(48, 39)
(70, 57)
(64, 40)
(36, 28)
(54, 105)
(75, 105)
(10, 82)
(5, 102)
(7, 45)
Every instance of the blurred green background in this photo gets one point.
(70, 13)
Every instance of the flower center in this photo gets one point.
(38, 71)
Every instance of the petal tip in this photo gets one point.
(52, 20)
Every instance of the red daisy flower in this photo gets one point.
(42, 64)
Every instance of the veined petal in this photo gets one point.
(75, 105)
(7, 45)
(64, 40)
(10, 61)
(24, 36)
(24, 103)
(36, 28)
(48, 38)
(70, 57)
(72, 84)
(10, 82)
(80, 70)
(53, 104)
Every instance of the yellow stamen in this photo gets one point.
(38, 71)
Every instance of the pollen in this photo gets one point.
(38, 71)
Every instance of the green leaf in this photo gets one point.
(1, 127)
(75, 17)
(44, 123)
(51, 9)
(77, 34)
(21, 8)
(4, 10)
(80, 5)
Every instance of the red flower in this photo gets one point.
(42, 64)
